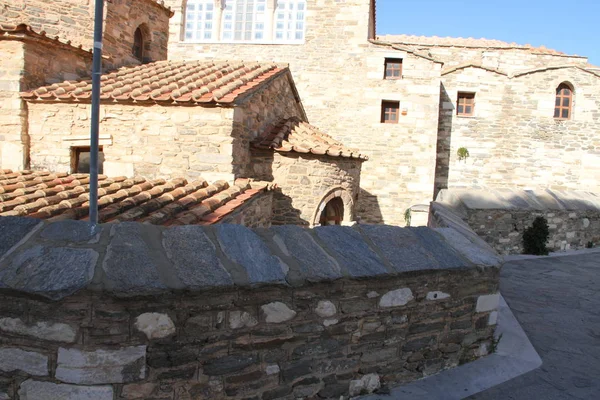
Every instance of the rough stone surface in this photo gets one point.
(52, 272)
(325, 309)
(488, 302)
(313, 260)
(35, 390)
(447, 256)
(352, 252)
(53, 331)
(13, 359)
(272, 369)
(13, 230)
(395, 298)
(127, 247)
(493, 319)
(245, 248)
(155, 325)
(127, 364)
(437, 295)
(277, 312)
(241, 319)
(138, 390)
(182, 245)
(365, 385)
(71, 231)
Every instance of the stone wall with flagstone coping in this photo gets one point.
(132, 311)
(499, 217)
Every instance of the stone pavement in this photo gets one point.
(557, 302)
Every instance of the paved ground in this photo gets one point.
(557, 302)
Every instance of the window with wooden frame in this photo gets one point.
(393, 68)
(80, 160)
(563, 102)
(465, 104)
(390, 111)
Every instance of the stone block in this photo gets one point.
(138, 390)
(314, 262)
(32, 363)
(437, 295)
(52, 272)
(325, 309)
(128, 248)
(241, 319)
(44, 330)
(487, 302)
(155, 325)
(183, 246)
(351, 251)
(245, 247)
(34, 390)
(228, 364)
(396, 298)
(15, 229)
(493, 318)
(124, 365)
(277, 312)
(365, 385)
(445, 254)
(71, 231)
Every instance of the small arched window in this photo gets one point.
(333, 214)
(138, 44)
(564, 102)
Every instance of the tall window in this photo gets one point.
(138, 44)
(199, 16)
(390, 111)
(244, 20)
(564, 102)
(465, 106)
(289, 20)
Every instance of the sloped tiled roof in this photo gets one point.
(182, 82)
(26, 32)
(435, 41)
(294, 135)
(60, 196)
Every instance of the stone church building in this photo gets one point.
(521, 116)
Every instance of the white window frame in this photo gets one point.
(261, 25)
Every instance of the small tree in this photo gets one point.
(535, 237)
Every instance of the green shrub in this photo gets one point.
(407, 216)
(589, 245)
(536, 237)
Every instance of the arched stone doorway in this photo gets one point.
(335, 208)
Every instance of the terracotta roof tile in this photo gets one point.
(45, 195)
(294, 135)
(435, 41)
(24, 32)
(183, 82)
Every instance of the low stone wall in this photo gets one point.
(134, 311)
(501, 216)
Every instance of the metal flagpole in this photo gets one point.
(96, 74)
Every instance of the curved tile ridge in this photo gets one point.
(295, 135)
(166, 82)
(22, 31)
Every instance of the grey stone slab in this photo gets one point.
(72, 231)
(194, 257)
(351, 251)
(245, 247)
(129, 266)
(127, 364)
(13, 230)
(52, 272)
(445, 254)
(44, 330)
(400, 247)
(35, 390)
(483, 199)
(30, 362)
(314, 262)
(477, 255)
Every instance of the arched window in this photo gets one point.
(564, 102)
(138, 44)
(333, 213)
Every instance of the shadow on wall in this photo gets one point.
(368, 208)
(444, 141)
(284, 213)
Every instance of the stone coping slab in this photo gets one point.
(132, 259)
(514, 356)
(517, 199)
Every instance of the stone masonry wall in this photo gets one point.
(256, 213)
(304, 181)
(13, 153)
(339, 76)
(503, 229)
(148, 140)
(513, 139)
(225, 312)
